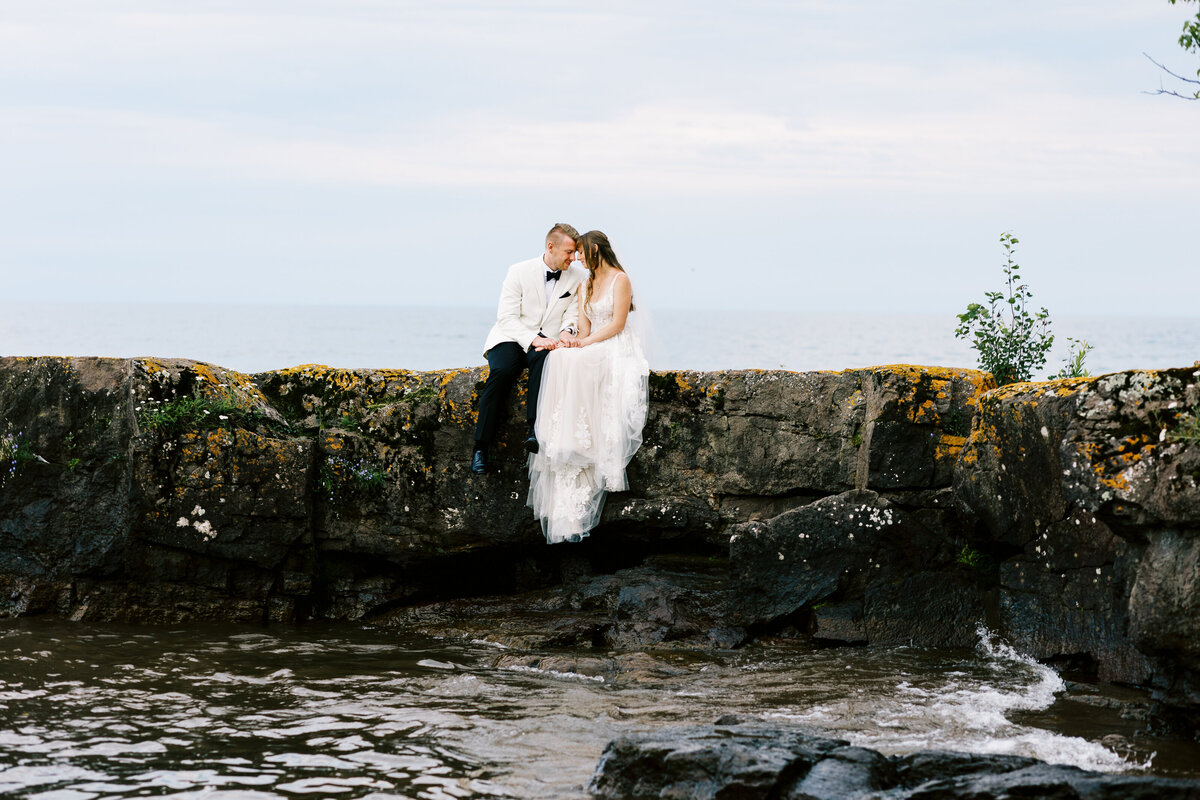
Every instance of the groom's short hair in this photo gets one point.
(562, 228)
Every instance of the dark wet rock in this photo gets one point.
(659, 606)
(928, 766)
(839, 622)
(892, 577)
(1053, 782)
(752, 760)
(844, 771)
(736, 761)
(60, 517)
(1090, 491)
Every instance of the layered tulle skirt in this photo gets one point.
(591, 410)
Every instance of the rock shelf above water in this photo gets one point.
(883, 505)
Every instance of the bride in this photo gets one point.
(592, 403)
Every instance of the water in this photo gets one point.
(104, 711)
(259, 338)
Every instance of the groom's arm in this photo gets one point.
(570, 321)
(508, 311)
(569, 329)
(570, 318)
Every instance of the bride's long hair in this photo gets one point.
(598, 250)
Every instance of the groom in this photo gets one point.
(537, 309)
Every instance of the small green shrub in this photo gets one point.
(1012, 341)
(1186, 427)
(1074, 362)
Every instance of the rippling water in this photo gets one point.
(104, 711)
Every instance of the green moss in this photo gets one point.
(420, 395)
(191, 413)
(969, 557)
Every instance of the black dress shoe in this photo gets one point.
(479, 462)
(531, 442)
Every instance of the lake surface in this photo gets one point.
(253, 338)
(243, 713)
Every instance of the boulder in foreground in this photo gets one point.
(750, 761)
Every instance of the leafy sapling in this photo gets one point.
(1012, 341)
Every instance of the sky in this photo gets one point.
(805, 155)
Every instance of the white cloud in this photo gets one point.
(1056, 144)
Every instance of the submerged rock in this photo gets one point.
(751, 760)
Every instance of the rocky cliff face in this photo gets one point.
(177, 490)
(1088, 493)
(886, 505)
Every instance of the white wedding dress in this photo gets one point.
(591, 411)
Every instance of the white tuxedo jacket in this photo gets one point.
(523, 311)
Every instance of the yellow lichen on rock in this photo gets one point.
(949, 447)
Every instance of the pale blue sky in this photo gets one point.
(808, 155)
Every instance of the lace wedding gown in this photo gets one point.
(591, 410)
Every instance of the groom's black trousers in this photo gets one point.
(506, 361)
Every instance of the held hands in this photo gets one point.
(567, 340)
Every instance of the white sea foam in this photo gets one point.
(967, 712)
(553, 673)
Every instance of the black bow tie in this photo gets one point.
(553, 274)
